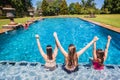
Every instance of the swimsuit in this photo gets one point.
(50, 64)
(69, 71)
(97, 66)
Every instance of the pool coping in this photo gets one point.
(103, 25)
(7, 62)
(4, 30)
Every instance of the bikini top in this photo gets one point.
(50, 63)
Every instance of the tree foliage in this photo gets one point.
(21, 6)
(111, 6)
(56, 6)
(88, 7)
(75, 8)
(60, 7)
(38, 4)
(116, 6)
(44, 7)
(63, 7)
(90, 4)
(72, 8)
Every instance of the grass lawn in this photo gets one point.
(110, 19)
(113, 19)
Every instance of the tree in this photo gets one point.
(5, 2)
(111, 6)
(107, 6)
(44, 7)
(56, 6)
(115, 6)
(83, 7)
(90, 4)
(26, 5)
(88, 7)
(77, 8)
(83, 3)
(21, 6)
(63, 7)
(72, 8)
(50, 10)
(38, 4)
(38, 10)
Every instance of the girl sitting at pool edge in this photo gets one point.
(50, 57)
(99, 56)
(71, 58)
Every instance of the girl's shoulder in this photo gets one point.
(75, 56)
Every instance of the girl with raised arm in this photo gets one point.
(50, 57)
(99, 56)
(71, 58)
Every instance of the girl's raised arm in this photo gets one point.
(39, 47)
(55, 51)
(107, 46)
(59, 45)
(86, 47)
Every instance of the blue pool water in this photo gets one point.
(20, 45)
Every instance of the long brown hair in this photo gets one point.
(49, 52)
(72, 55)
(100, 55)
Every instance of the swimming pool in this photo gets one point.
(20, 45)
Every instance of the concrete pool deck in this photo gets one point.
(4, 30)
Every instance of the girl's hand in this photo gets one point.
(37, 36)
(54, 34)
(95, 38)
(109, 37)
